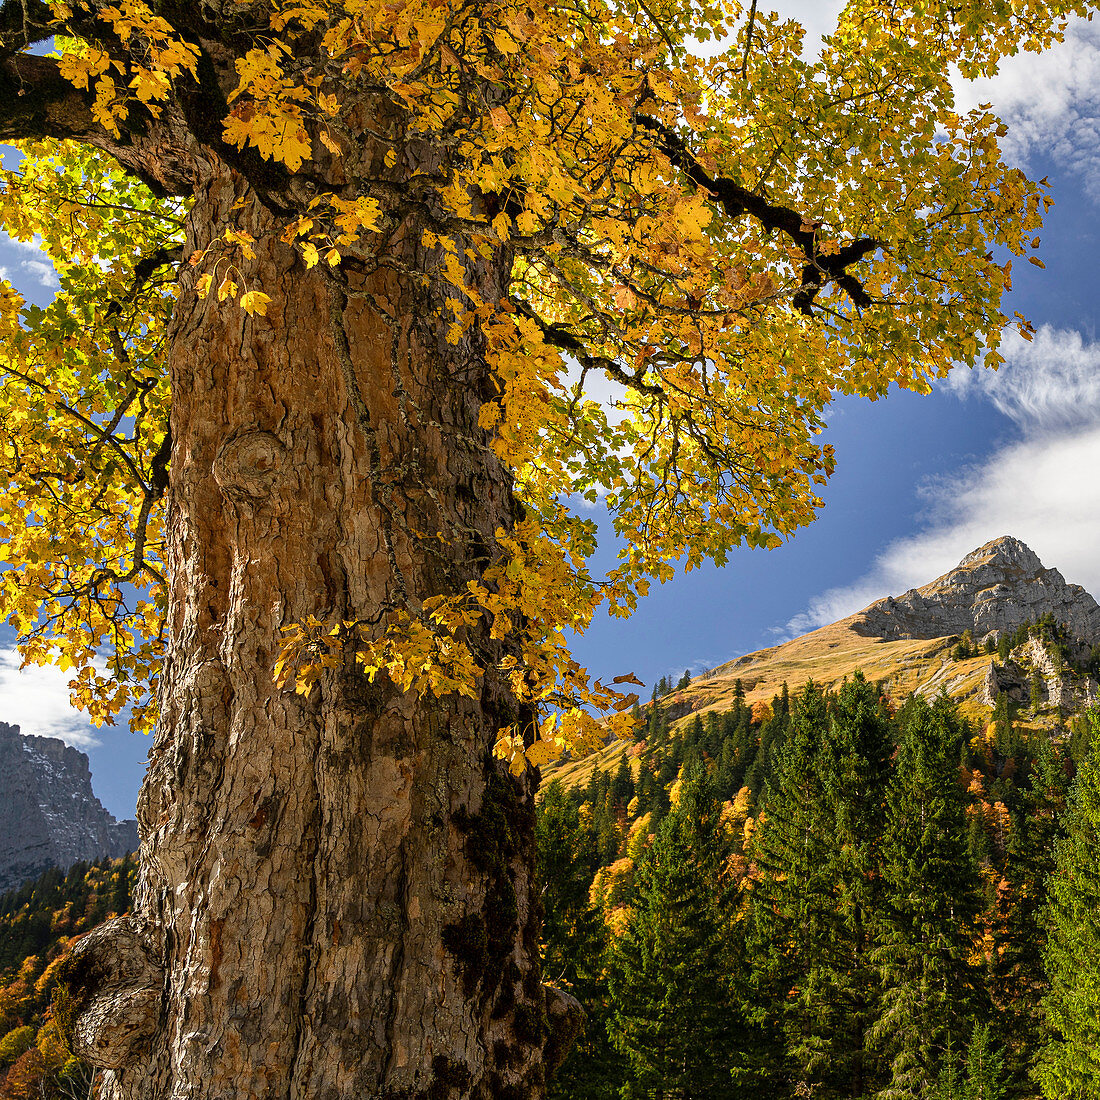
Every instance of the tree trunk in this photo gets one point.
(335, 896)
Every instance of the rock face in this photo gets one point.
(49, 816)
(1061, 687)
(999, 586)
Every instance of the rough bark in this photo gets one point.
(336, 888)
(38, 102)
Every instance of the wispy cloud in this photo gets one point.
(1042, 488)
(37, 700)
(26, 263)
(1051, 384)
(1051, 102)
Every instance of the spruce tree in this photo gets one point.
(817, 854)
(930, 901)
(1036, 698)
(1070, 1065)
(1017, 976)
(668, 972)
(984, 1067)
(983, 1078)
(574, 944)
(622, 786)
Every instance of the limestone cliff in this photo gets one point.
(49, 816)
(999, 586)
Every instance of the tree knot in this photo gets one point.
(249, 465)
(112, 992)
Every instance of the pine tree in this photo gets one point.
(1036, 691)
(1017, 976)
(622, 786)
(668, 973)
(930, 902)
(574, 945)
(984, 1067)
(1070, 1065)
(1002, 713)
(983, 1078)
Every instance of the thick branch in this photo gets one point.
(748, 39)
(737, 200)
(24, 22)
(38, 102)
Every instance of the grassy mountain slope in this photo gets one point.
(994, 590)
(827, 656)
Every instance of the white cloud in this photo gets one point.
(1051, 384)
(1051, 102)
(37, 700)
(1042, 488)
(30, 263)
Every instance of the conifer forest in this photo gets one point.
(830, 897)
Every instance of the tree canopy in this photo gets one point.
(705, 237)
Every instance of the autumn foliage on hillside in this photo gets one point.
(38, 924)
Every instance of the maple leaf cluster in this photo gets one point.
(702, 252)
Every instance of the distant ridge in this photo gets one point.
(49, 816)
(910, 644)
(997, 587)
(907, 641)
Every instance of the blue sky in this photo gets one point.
(920, 481)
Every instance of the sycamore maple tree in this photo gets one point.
(360, 302)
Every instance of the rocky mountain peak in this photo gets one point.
(49, 816)
(1006, 552)
(999, 586)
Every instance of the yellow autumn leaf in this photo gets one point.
(542, 752)
(255, 302)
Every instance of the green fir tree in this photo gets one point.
(668, 972)
(1070, 1065)
(930, 903)
(1017, 978)
(817, 854)
(574, 946)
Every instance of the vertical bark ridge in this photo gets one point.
(307, 978)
